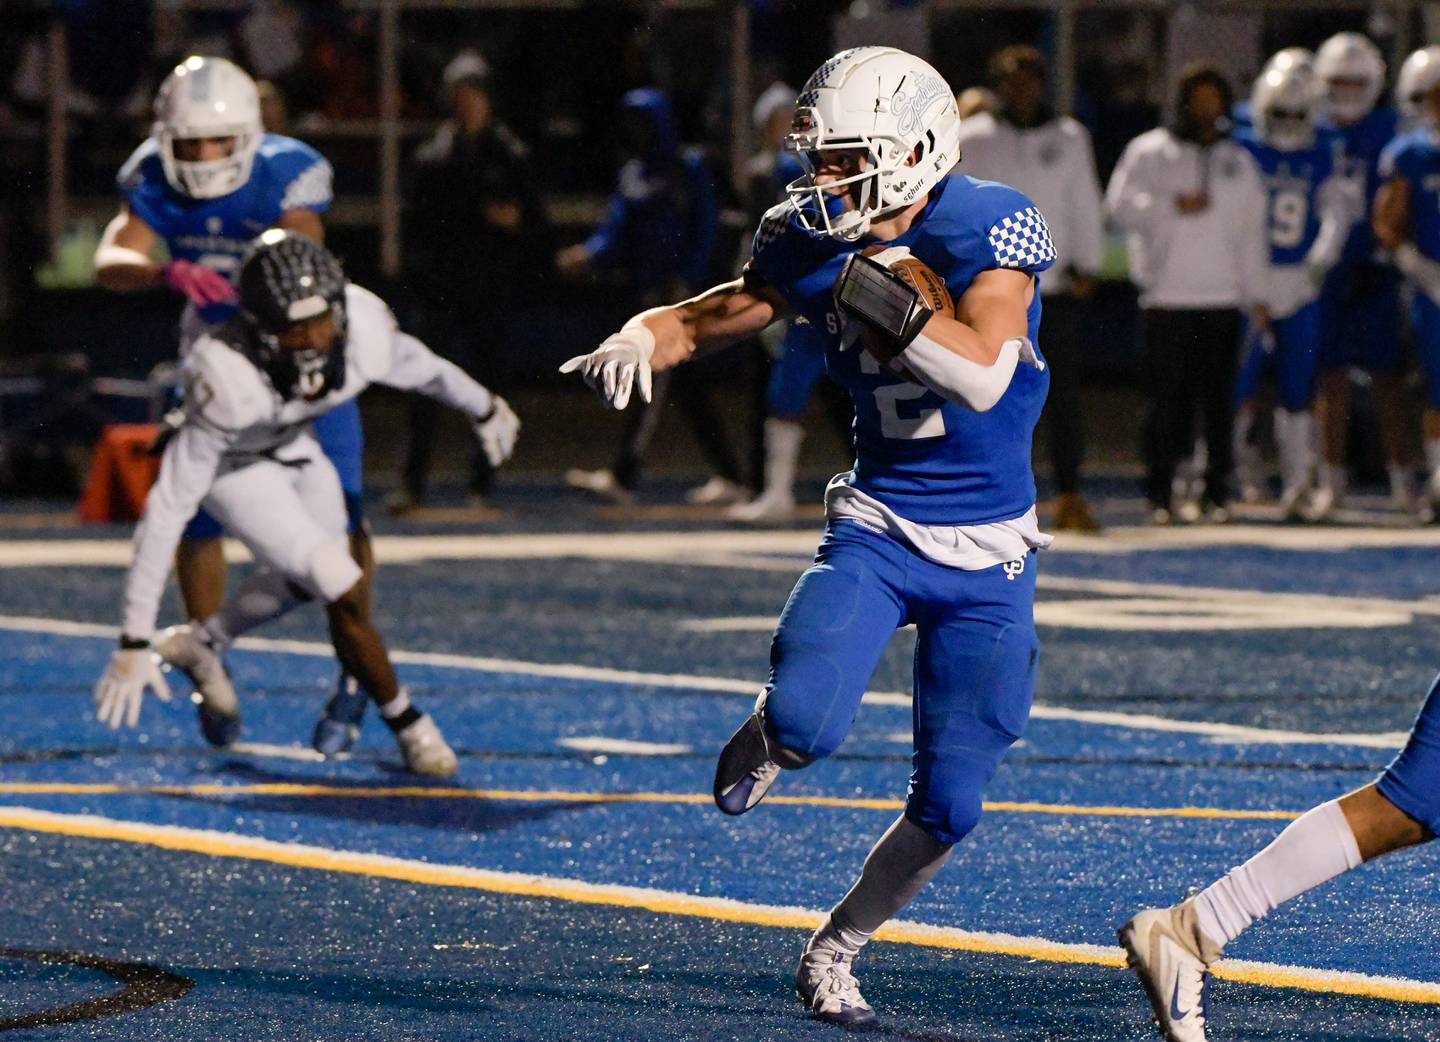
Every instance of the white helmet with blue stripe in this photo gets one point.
(893, 115)
(1352, 75)
(207, 98)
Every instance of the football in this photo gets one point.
(933, 294)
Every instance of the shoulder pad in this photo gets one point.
(223, 389)
(303, 174)
(370, 332)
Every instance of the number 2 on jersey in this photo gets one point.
(926, 423)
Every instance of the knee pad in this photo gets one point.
(946, 821)
(331, 572)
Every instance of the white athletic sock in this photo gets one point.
(1334, 478)
(1295, 438)
(1315, 848)
(899, 865)
(396, 706)
(1402, 483)
(265, 595)
(782, 456)
(1432, 455)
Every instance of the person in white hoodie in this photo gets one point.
(1192, 205)
(1049, 157)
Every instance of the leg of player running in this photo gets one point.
(1170, 948)
(841, 614)
(200, 573)
(975, 663)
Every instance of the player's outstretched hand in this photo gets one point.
(202, 285)
(621, 363)
(497, 431)
(122, 687)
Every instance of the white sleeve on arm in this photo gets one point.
(1129, 200)
(962, 381)
(186, 473)
(416, 368)
(1087, 250)
(1341, 203)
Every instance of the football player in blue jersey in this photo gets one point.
(1310, 212)
(1360, 301)
(1406, 221)
(1170, 949)
(205, 183)
(936, 523)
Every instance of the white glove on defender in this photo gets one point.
(122, 687)
(620, 363)
(498, 431)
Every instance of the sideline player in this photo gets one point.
(205, 183)
(936, 524)
(1406, 221)
(1170, 949)
(1310, 213)
(1360, 301)
(305, 341)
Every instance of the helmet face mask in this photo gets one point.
(890, 132)
(1352, 71)
(203, 100)
(292, 302)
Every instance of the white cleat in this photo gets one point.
(717, 492)
(219, 707)
(425, 749)
(1170, 955)
(766, 508)
(826, 985)
(1295, 503)
(1322, 506)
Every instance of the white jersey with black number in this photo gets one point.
(235, 419)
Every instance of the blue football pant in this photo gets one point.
(1426, 316)
(1412, 781)
(975, 661)
(1294, 363)
(1360, 319)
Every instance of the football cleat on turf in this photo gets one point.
(339, 725)
(425, 749)
(215, 700)
(745, 771)
(829, 990)
(1170, 955)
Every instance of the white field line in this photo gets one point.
(731, 686)
(624, 746)
(732, 548)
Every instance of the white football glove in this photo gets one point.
(497, 432)
(620, 363)
(122, 687)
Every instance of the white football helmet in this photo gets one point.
(1282, 105)
(1418, 78)
(1352, 75)
(1290, 58)
(887, 106)
(207, 98)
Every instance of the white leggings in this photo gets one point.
(289, 510)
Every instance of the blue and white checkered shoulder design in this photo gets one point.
(1022, 240)
(773, 225)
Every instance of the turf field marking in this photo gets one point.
(291, 789)
(624, 746)
(727, 547)
(663, 902)
(747, 688)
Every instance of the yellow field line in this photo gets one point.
(223, 844)
(563, 796)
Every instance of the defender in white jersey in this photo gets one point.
(305, 341)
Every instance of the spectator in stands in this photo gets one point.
(476, 245)
(1192, 205)
(660, 230)
(274, 113)
(1026, 144)
(974, 100)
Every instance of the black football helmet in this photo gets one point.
(286, 279)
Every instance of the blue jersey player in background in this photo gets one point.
(205, 183)
(1406, 221)
(936, 524)
(1360, 301)
(1310, 213)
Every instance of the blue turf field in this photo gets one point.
(575, 883)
